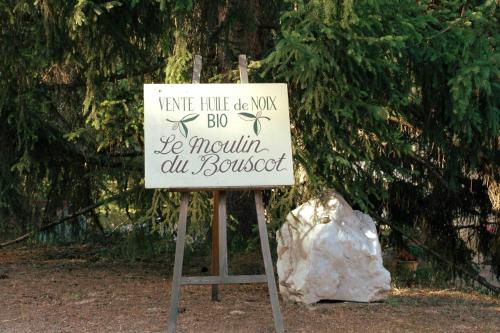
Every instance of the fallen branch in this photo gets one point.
(72, 216)
(476, 226)
(473, 275)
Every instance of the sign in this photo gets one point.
(217, 135)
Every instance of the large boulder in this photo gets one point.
(328, 251)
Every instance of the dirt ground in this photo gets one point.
(43, 290)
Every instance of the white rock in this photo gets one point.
(328, 251)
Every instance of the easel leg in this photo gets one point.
(179, 256)
(215, 246)
(268, 263)
(222, 235)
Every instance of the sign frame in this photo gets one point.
(182, 158)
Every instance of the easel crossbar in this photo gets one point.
(230, 279)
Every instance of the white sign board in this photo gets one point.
(217, 135)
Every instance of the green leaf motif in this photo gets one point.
(246, 116)
(257, 126)
(181, 124)
(189, 117)
(183, 129)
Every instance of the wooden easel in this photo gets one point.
(220, 229)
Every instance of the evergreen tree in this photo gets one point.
(393, 103)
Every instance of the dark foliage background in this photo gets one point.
(395, 104)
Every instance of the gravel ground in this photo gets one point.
(68, 290)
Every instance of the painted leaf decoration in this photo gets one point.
(183, 129)
(175, 126)
(259, 114)
(189, 117)
(256, 126)
(246, 116)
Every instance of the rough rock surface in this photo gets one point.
(328, 251)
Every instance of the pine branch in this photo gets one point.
(432, 169)
(111, 78)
